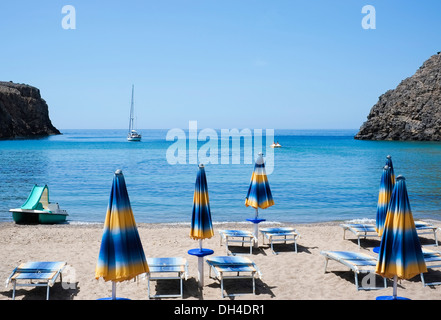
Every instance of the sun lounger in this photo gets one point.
(36, 274)
(365, 230)
(424, 227)
(233, 267)
(167, 269)
(433, 260)
(359, 263)
(360, 230)
(237, 236)
(277, 235)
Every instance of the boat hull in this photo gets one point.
(37, 217)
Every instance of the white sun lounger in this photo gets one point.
(365, 230)
(36, 274)
(237, 236)
(359, 263)
(433, 260)
(360, 230)
(424, 227)
(167, 269)
(278, 235)
(233, 267)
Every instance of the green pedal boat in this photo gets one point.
(38, 209)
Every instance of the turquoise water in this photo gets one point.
(319, 175)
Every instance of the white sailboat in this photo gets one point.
(133, 135)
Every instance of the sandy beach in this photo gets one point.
(286, 276)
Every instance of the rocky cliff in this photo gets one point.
(412, 111)
(23, 113)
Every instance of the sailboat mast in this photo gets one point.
(131, 111)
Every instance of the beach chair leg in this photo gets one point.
(436, 239)
(13, 290)
(326, 264)
(254, 285)
(356, 281)
(148, 286)
(47, 292)
(359, 245)
(222, 285)
(182, 288)
(272, 248)
(422, 279)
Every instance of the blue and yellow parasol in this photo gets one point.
(201, 224)
(400, 254)
(121, 255)
(385, 192)
(391, 166)
(259, 192)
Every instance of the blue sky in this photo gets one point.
(225, 63)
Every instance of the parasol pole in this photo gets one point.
(200, 266)
(256, 230)
(395, 288)
(113, 290)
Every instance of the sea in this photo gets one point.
(316, 176)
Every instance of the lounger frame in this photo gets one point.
(279, 235)
(167, 269)
(237, 236)
(233, 267)
(45, 274)
(432, 260)
(363, 231)
(359, 263)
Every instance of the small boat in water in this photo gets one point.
(38, 209)
(276, 145)
(133, 135)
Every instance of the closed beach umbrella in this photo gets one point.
(259, 193)
(201, 224)
(400, 254)
(121, 255)
(385, 192)
(391, 166)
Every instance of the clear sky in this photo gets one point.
(225, 63)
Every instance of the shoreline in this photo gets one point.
(285, 276)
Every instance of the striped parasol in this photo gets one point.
(259, 192)
(201, 224)
(391, 166)
(385, 192)
(121, 255)
(400, 254)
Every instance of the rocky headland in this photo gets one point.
(411, 111)
(23, 113)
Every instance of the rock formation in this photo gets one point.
(23, 113)
(412, 111)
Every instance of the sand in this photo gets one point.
(286, 276)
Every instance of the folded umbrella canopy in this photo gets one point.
(391, 166)
(201, 224)
(121, 255)
(385, 192)
(400, 254)
(259, 192)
